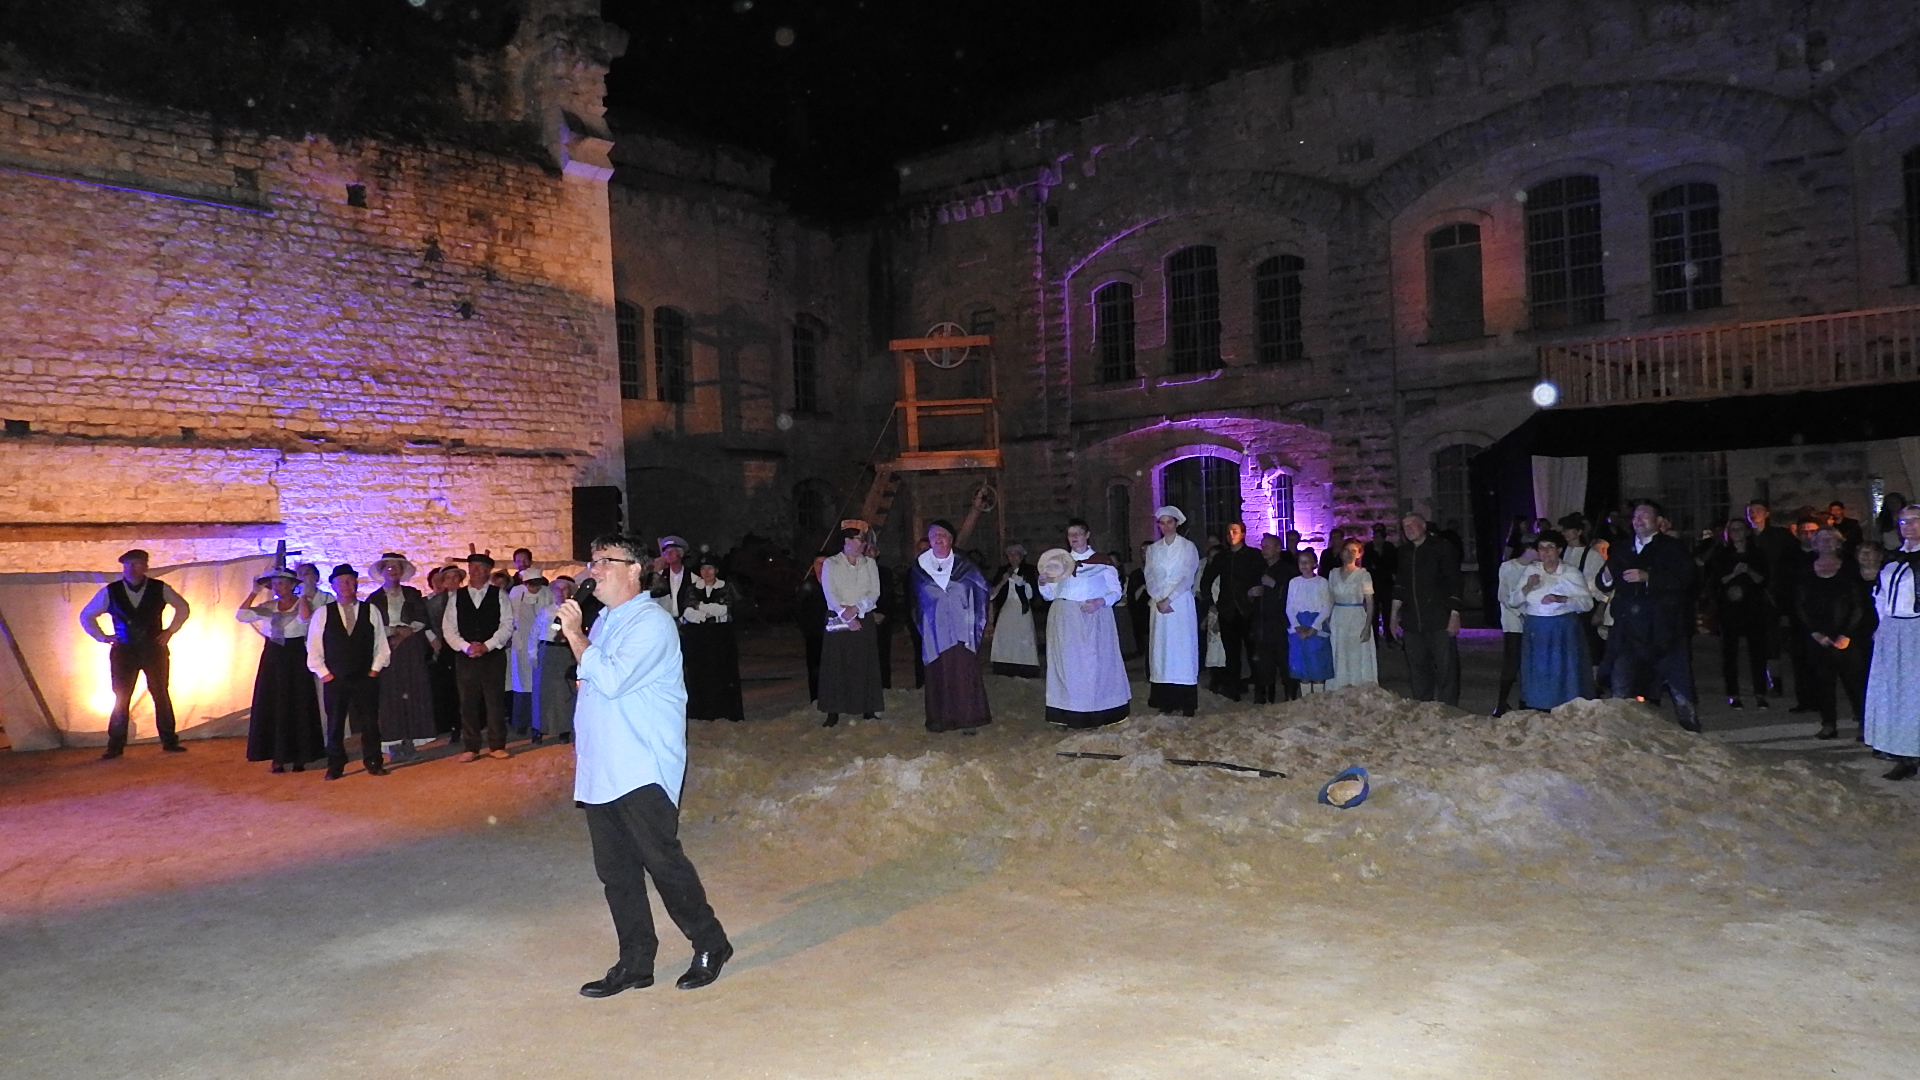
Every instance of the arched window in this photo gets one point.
(1193, 310)
(1455, 304)
(807, 334)
(1113, 331)
(1278, 330)
(670, 363)
(1282, 503)
(1910, 167)
(1207, 490)
(1565, 284)
(626, 326)
(1685, 221)
(1119, 534)
(1453, 495)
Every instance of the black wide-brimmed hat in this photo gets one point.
(343, 570)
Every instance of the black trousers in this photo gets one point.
(355, 696)
(125, 665)
(814, 642)
(1234, 639)
(1641, 668)
(637, 836)
(1755, 634)
(1800, 649)
(1826, 666)
(1273, 679)
(446, 692)
(883, 637)
(1509, 663)
(483, 698)
(1433, 664)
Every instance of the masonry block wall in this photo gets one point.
(1348, 160)
(699, 239)
(377, 346)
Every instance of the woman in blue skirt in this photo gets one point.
(1554, 666)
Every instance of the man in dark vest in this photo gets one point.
(346, 650)
(137, 605)
(478, 627)
(1426, 611)
(1238, 569)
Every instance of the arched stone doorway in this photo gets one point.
(1207, 488)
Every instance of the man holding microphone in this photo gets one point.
(630, 746)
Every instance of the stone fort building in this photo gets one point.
(1311, 293)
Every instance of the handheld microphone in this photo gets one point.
(584, 590)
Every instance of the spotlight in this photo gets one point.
(783, 37)
(1546, 395)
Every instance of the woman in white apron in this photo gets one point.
(1173, 653)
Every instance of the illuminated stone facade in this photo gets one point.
(372, 345)
(1351, 161)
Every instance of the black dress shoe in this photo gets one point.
(832, 719)
(112, 752)
(617, 979)
(374, 768)
(335, 772)
(1827, 731)
(298, 766)
(173, 748)
(1734, 703)
(706, 967)
(279, 768)
(1906, 770)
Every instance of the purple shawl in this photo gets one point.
(955, 615)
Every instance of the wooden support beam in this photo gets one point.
(935, 460)
(964, 341)
(55, 531)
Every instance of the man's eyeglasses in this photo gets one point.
(610, 559)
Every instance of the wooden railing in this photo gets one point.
(1813, 352)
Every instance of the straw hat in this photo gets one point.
(1055, 564)
(407, 569)
(278, 573)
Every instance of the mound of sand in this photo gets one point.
(1594, 792)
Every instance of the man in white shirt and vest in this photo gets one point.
(138, 605)
(346, 650)
(630, 753)
(478, 627)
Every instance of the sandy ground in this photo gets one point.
(1586, 894)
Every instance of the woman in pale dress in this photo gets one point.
(1015, 648)
(1354, 661)
(1086, 678)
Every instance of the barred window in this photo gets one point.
(1113, 331)
(1193, 310)
(626, 325)
(1910, 167)
(1685, 222)
(670, 362)
(1456, 309)
(1278, 331)
(1565, 283)
(807, 334)
(1283, 503)
(1453, 494)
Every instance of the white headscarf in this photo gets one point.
(1172, 512)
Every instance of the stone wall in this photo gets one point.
(405, 346)
(1349, 159)
(696, 232)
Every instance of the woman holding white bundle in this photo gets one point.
(1086, 677)
(1554, 666)
(849, 656)
(1309, 610)
(1354, 660)
(1016, 651)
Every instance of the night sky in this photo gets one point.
(838, 90)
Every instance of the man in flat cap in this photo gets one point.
(478, 627)
(670, 579)
(346, 650)
(137, 605)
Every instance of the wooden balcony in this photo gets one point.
(1777, 356)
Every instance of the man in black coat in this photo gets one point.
(1781, 550)
(1652, 578)
(1238, 568)
(1426, 611)
(1273, 680)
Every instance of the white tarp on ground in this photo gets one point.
(214, 657)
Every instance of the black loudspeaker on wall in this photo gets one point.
(596, 512)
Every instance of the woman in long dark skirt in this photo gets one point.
(406, 683)
(849, 657)
(950, 604)
(711, 654)
(285, 725)
(1836, 609)
(441, 679)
